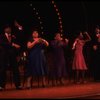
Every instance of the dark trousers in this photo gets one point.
(97, 71)
(2, 68)
(10, 63)
(96, 67)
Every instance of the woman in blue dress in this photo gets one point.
(36, 58)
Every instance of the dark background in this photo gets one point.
(76, 15)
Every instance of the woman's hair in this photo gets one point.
(35, 29)
(83, 35)
(7, 29)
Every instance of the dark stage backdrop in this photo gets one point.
(76, 15)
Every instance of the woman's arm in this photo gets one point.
(74, 44)
(45, 42)
(88, 37)
(31, 44)
(66, 42)
(16, 45)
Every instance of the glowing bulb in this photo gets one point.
(60, 26)
(61, 34)
(58, 14)
(59, 18)
(55, 6)
(53, 2)
(36, 13)
(41, 27)
(33, 8)
(57, 10)
(61, 30)
(40, 22)
(31, 4)
(60, 22)
(42, 32)
(38, 17)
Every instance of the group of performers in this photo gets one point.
(36, 61)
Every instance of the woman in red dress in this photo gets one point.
(79, 65)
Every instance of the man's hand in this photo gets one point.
(16, 45)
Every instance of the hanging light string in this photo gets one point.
(59, 16)
(38, 17)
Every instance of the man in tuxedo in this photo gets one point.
(8, 58)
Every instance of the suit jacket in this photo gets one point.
(4, 43)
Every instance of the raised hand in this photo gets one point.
(18, 25)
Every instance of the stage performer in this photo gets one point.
(79, 65)
(59, 63)
(36, 58)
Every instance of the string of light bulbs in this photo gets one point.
(59, 16)
(38, 17)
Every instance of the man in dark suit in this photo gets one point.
(8, 58)
(96, 55)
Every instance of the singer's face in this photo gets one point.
(8, 30)
(58, 37)
(35, 34)
(97, 30)
(80, 36)
(98, 36)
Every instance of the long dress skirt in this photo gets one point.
(36, 61)
(59, 64)
(79, 61)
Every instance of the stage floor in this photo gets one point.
(88, 90)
